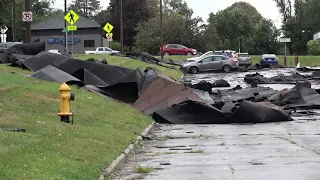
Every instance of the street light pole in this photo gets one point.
(121, 29)
(161, 30)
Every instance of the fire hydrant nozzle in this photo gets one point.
(65, 97)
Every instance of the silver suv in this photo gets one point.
(211, 63)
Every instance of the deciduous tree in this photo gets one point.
(134, 12)
(86, 8)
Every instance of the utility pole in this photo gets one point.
(14, 21)
(65, 26)
(161, 30)
(27, 7)
(121, 29)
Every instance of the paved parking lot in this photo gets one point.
(282, 150)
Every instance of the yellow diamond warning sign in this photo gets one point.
(108, 28)
(71, 17)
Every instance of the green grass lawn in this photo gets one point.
(102, 129)
(131, 63)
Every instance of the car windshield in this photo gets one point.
(269, 56)
(243, 55)
(206, 54)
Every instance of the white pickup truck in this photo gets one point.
(102, 50)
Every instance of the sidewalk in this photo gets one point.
(288, 150)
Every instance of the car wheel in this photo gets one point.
(226, 68)
(194, 70)
(189, 54)
(166, 54)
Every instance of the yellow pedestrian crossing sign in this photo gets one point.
(71, 17)
(109, 34)
(108, 27)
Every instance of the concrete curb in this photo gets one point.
(115, 163)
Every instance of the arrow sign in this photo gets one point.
(3, 29)
(108, 27)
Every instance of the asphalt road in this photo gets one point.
(277, 151)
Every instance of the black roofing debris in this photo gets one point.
(168, 100)
(279, 79)
(301, 96)
(206, 86)
(148, 58)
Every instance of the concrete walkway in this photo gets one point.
(286, 150)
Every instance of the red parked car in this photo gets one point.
(177, 49)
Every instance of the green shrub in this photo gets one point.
(115, 45)
(314, 47)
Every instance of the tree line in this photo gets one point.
(239, 25)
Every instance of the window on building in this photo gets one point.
(88, 43)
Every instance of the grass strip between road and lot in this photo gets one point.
(133, 64)
(102, 129)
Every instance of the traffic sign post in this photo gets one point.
(71, 17)
(285, 41)
(108, 28)
(3, 38)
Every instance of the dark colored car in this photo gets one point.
(244, 59)
(177, 49)
(269, 59)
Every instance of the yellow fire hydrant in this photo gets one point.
(65, 97)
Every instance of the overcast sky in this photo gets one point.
(202, 8)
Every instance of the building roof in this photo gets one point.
(57, 22)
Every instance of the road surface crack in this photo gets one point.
(293, 142)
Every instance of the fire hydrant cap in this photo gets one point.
(64, 87)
